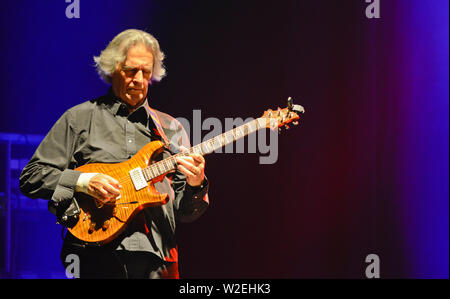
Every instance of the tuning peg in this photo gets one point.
(295, 123)
(289, 101)
(287, 127)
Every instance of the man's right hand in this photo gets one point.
(104, 188)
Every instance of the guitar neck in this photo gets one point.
(159, 168)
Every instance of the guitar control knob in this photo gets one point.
(105, 225)
(91, 228)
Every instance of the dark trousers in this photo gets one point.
(107, 263)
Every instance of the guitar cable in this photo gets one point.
(121, 263)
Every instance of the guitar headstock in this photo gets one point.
(283, 117)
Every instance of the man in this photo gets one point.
(111, 129)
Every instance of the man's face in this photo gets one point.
(131, 78)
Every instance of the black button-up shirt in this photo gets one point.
(102, 131)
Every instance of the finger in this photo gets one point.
(100, 195)
(111, 190)
(199, 160)
(186, 171)
(186, 161)
(183, 149)
(104, 189)
(187, 158)
(113, 182)
(191, 167)
(106, 199)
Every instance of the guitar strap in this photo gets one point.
(158, 125)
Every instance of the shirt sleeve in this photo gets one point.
(190, 202)
(48, 174)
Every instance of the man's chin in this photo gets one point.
(134, 100)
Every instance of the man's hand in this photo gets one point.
(104, 188)
(193, 167)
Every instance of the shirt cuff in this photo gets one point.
(199, 193)
(83, 182)
(66, 186)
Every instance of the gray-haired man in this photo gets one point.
(111, 129)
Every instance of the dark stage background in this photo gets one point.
(365, 172)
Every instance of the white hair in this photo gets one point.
(117, 50)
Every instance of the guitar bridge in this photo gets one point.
(137, 177)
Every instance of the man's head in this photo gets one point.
(130, 62)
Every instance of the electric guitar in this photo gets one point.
(99, 224)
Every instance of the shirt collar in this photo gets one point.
(118, 107)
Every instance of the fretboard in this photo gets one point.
(159, 168)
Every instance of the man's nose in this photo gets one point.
(139, 77)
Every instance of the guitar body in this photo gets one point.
(102, 223)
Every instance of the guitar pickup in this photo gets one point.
(137, 177)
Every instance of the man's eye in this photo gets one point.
(129, 70)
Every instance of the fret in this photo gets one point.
(197, 150)
(166, 165)
(227, 136)
(212, 144)
(233, 134)
(237, 134)
(169, 164)
(158, 168)
(217, 142)
(205, 147)
(262, 122)
(220, 140)
(145, 174)
(151, 171)
(200, 147)
(254, 126)
(173, 162)
(240, 130)
(154, 171)
(251, 127)
(192, 150)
